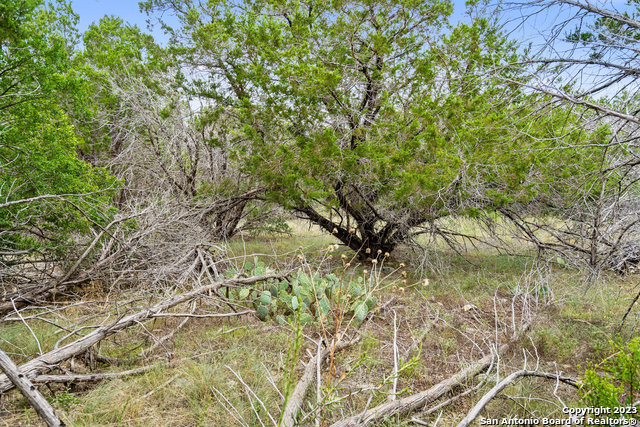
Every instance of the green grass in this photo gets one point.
(189, 397)
(21, 342)
(573, 325)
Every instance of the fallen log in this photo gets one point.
(44, 363)
(475, 411)
(37, 401)
(417, 401)
(297, 396)
(83, 378)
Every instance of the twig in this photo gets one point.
(226, 406)
(202, 316)
(159, 387)
(83, 378)
(452, 399)
(162, 340)
(28, 327)
(628, 311)
(272, 382)
(62, 283)
(417, 342)
(76, 378)
(318, 378)
(252, 393)
(394, 389)
(416, 401)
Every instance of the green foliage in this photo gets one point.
(113, 51)
(65, 400)
(615, 381)
(112, 44)
(311, 298)
(38, 142)
(414, 117)
(45, 162)
(273, 224)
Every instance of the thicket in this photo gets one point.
(383, 123)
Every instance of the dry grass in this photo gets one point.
(573, 323)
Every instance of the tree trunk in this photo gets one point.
(362, 239)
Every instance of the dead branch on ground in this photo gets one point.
(297, 396)
(45, 362)
(419, 400)
(475, 411)
(37, 401)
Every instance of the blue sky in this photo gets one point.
(92, 10)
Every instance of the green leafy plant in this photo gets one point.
(65, 400)
(41, 176)
(614, 382)
(388, 94)
(312, 296)
(333, 302)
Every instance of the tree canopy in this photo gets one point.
(368, 118)
(38, 142)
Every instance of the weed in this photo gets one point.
(615, 382)
(65, 399)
